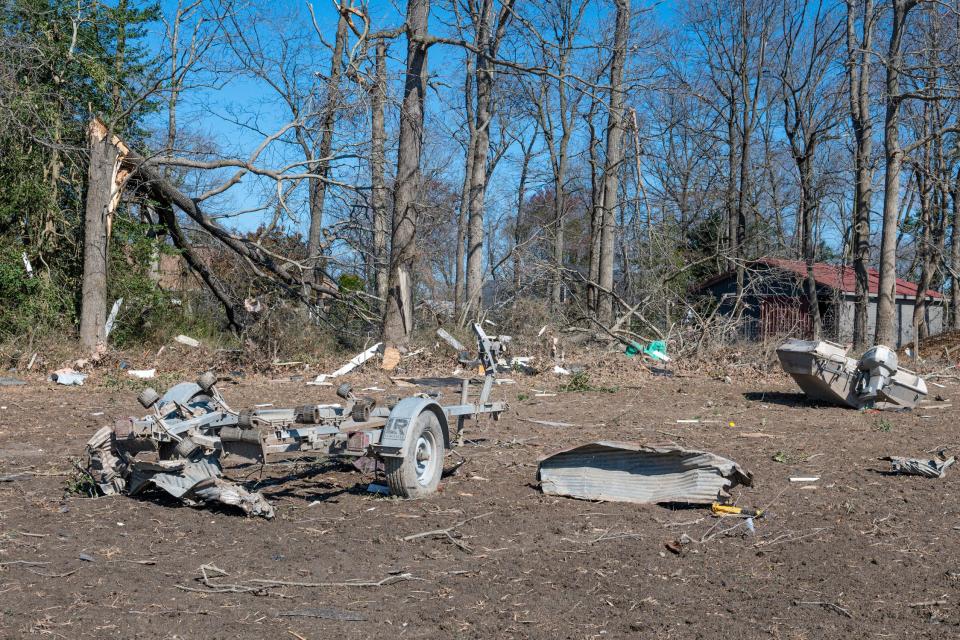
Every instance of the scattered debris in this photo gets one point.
(143, 374)
(26, 264)
(112, 318)
(642, 474)
(455, 344)
(805, 479)
(187, 340)
(252, 305)
(178, 446)
(68, 377)
(824, 372)
(560, 371)
(354, 362)
(928, 468)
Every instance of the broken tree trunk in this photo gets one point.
(102, 197)
(398, 316)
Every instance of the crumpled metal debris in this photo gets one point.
(928, 468)
(176, 457)
(642, 474)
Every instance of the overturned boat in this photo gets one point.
(825, 372)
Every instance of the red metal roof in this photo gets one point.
(842, 278)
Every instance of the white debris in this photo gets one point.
(108, 327)
(27, 265)
(187, 340)
(68, 377)
(560, 371)
(805, 479)
(143, 374)
(354, 362)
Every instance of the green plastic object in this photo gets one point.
(657, 350)
(633, 349)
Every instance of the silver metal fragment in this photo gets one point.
(642, 474)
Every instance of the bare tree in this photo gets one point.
(613, 160)
(398, 315)
(378, 194)
(811, 36)
(489, 35)
(859, 52)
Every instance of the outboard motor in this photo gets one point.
(879, 364)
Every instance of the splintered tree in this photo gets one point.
(103, 194)
(398, 314)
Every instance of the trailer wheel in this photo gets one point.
(417, 473)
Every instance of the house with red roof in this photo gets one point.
(775, 303)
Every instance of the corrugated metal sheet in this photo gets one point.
(643, 474)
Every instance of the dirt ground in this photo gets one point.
(858, 554)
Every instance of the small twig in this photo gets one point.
(828, 605)
(928, 603)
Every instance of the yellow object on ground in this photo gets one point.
(730, 510)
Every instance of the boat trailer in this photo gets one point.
(178, 447)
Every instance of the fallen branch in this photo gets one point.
(447, 533)
(259, 586)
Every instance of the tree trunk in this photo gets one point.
(596, 212)
(378, 191)
(398, 317)
(955, 255)
(518, 222)
(614, 158)
(101, 176)
(893, 157)
(464, 214)
(858, 61)
(488, 42)
(807, 208)
(321, 164)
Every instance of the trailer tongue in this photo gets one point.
(179, 446)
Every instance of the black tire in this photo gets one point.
(410, 477)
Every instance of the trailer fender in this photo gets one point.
(397, 433)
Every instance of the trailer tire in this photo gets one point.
(417, 474)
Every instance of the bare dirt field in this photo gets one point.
(859, 554)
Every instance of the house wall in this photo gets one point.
(903, 320)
